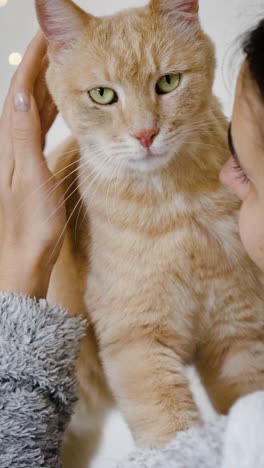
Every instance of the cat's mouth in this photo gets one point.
(148, 156)
(150, 160)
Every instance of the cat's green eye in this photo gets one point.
(103, 96)
(168, 83)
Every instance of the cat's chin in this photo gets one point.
(149, 163)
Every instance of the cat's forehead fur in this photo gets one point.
(132, 46)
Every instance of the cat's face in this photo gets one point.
(132, 87)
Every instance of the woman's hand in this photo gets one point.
(32, 211)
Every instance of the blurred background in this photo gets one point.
(224, 20)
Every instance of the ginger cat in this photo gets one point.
(152, 253)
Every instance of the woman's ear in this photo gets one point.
(61, 21)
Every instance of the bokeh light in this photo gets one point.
(14, 59)
(3, 3)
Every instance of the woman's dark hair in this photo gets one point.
(253, 48)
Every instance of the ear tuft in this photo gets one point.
(188, 6)
(61, 21)
(187, 9)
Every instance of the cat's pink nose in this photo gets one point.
(146, 136)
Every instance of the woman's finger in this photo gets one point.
(49, 119)
(6, 112)
(46, 106)
(26, 134)
(27, 72)
(6, 153)
(6, 145)
(30, 66)
(48, 114)
(5, 125)
(40, 89)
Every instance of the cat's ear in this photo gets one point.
(187, 9)
(61, 21)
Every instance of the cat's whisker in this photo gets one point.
(66, 154)
(100, 172)
(64, 229)
(210, 112)
(198, 122)
(202, 133)
(201, 126)
(56, 174)
(187, 135)
(108, 160)
(190, 128)
(194, 128)
(201, 116)
(78, 149)
(82, 202)
(123, 146)
(70, 217)
(107, 193)
(54, 188)
(31, 194)
(201, 143)
(190, 132)
(59, 157)
(62, 199)
(222, 148)
(121, 165)
(84, 166)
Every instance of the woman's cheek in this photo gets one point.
(251, 228)
(231, 178)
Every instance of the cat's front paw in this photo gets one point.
(164, 429)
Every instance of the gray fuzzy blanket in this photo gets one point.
(39, 344)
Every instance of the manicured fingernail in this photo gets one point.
(22, 101)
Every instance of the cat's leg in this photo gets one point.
(232, 368)
(231, 357)
(147, 375)
(83, 436)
